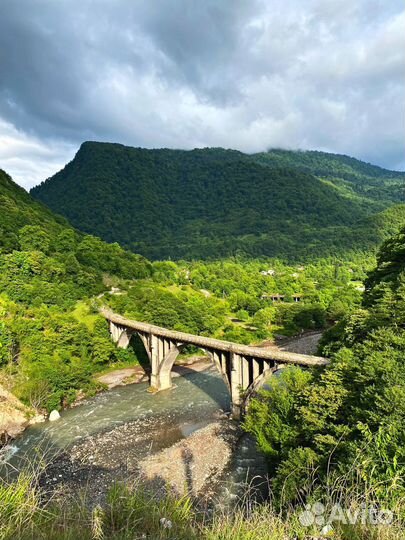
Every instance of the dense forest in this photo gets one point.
(350, 175)
(53, 341)
(48, 351)
(345, 422)
(336, 433)
(213, 203)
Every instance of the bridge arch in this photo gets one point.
(242, 367)
(162, 354)
(219, 360)
(259, 382)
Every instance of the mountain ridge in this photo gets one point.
(213, 202)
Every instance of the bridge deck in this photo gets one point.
(217, 344)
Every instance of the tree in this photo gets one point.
(65, 241)
(33, 237)
(354, 409)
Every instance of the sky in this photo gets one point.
(243, 74)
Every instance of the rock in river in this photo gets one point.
(54, 416)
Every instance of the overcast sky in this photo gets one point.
(244, 74)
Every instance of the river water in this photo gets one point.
(127, 423)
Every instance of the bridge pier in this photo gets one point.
(236, 386)
(120, 335)
(243, 368)
(163, 353)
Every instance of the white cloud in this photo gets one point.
(245, 74)
(28, 159)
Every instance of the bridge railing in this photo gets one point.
(217, 344)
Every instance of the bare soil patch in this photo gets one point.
(192, 464)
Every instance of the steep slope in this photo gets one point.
(352, 176)
(205, 203)
(27, 224)
(51, 343)
(18, 208)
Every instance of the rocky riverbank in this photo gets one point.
(14, 416)
(194, 465)
(182, 440)
(147, 451)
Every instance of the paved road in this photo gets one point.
(305, 344)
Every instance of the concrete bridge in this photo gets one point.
(243, 368)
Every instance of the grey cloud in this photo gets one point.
(244, 74)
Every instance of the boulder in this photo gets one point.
(54, 416)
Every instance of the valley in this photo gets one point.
(145, 429)
(344, 303)
(202, 270)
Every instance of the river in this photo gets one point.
(104, 438)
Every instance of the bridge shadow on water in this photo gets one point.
(208, 381)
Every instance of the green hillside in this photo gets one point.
(52, 342)
(52, 234)
(211, 203)
(17, 208)
(47, 352)
(350, 175)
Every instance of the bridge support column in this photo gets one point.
(236, 386)
(164, 379)
(154, 360)
(163, 353)
(256, 369)
(221, 360)
(120, 335)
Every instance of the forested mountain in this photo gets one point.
(350, 175)
(17, 209)
(52, 342)
(52, 234)
(47, 352)
(209, 203)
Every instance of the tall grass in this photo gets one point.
(19, 506)
(133, 513)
